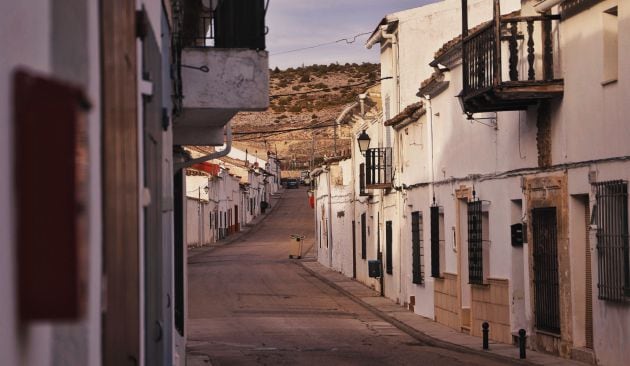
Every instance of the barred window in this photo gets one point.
(435, 242)
(389, 268)
(611, 214)
(363, 236)
(362, 180)
(417, 248)
(475, 243)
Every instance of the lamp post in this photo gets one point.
(364, 142)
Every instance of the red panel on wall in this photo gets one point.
(50, 166)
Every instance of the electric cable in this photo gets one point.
(348, 40)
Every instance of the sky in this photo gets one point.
(297, 24)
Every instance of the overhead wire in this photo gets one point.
(348, 40)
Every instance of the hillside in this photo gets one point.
(303, 97)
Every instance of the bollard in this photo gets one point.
(485, 332)
(521, 343)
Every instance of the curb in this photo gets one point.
(414, 333)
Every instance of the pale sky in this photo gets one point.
(296, 24)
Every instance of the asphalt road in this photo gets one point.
(249, 304)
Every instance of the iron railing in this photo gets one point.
(435, 242)
(475, 244)
(546, 282)
(378, 168)
(389, 265)
(613, 255)
(417, 250)
(529, 48)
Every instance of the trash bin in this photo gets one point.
(295, 249)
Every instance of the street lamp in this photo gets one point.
(364, 142)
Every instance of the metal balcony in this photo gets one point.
(378, 168)
(221, 67)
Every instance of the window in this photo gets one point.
(362, 180)
(435, 242)
(417, 249)
(611, 215)
(610, 31)
(363, 237)
(475, 243)
(388, 248)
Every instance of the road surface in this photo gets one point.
(249, 304)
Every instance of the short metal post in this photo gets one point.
(485, 332)
(521, 342)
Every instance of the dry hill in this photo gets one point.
(301, 98)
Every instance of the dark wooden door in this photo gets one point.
(121, 316)
(546, 283)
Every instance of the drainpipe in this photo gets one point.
(545, 5)
(430, 114)
(394, 39)
(362, 98)
(330, 220)
(214, 155)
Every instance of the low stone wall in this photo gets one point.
(446, 303)
(490, 303)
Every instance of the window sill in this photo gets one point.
(548, 333)
(609, 82)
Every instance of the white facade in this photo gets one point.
(134, 279)
(516, 167)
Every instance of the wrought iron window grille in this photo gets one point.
(610, 214)
(417, 248)
(435, 242)
(475, 243)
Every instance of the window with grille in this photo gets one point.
(475, 243)
(363, 236)
(417, 249)
(362, 180)
(378, 168)
(389, 268)
(435, 242)
(611, 214)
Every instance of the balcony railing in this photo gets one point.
(233, 24)
(378, 168)
(526, 76)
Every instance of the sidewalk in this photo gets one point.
(246, 229)
(421, 328)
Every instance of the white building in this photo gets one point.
(103, 91)
(515, 213)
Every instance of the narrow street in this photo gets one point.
(252, 305)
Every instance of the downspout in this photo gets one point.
(394, 39)
(330, 226)
(430, 114)
(214, 155)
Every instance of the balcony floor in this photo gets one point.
(513, 95)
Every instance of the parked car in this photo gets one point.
(293, 183)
